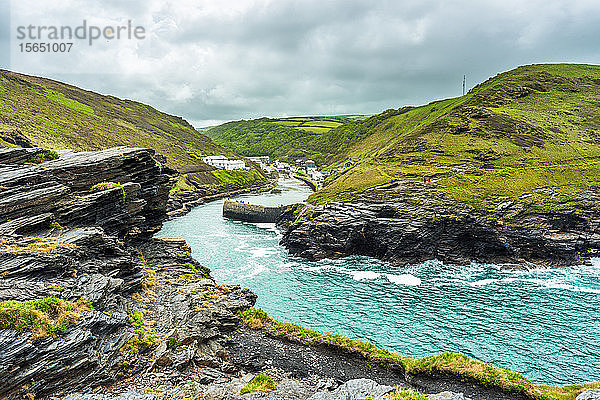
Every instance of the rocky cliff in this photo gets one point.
(410, 221)
(91, 295)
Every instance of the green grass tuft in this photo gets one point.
(260, 383)
(199, 272)
(44, 317)
(407, 394)
(136, 318)
(43, 157)
(70, 103)
(103, 186)
(56, 288)
(173, 343)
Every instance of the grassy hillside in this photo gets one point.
(52, 114)
(287, 138)
(533, 132)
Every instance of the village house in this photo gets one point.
(222, 162)
(264, 160)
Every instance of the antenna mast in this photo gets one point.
(464, 83)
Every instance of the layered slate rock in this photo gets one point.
(154, 307)
(59, 191)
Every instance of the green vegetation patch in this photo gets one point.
(65, 101)
(136, 318)
(407, 394)
(478, 189)
(55, 115)
(237, 177)
(56, 288)
(103, 186)
(43, 157)
(44, 317)
(33, 244)
(458, 365)
(143, 337)
(197, 270)
(524, 131)
(173, 343)
(141, 340)
(288, 139)
(260, 383)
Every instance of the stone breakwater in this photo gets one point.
(417, 224)
(183, 202)
(251, 212)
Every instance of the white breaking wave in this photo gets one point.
(253, 270)
(364, 275)
(261, 252)
(550, 283)
(404, 279)
(483, 282)
(266, 225)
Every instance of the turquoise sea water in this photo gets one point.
(544, 323)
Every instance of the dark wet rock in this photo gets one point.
(414, 226)
(61, 188)
(355, 389)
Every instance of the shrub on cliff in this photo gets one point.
(103, 186)
(44, 317)
(43, 157)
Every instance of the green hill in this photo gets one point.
(46, 113)
(531, 133)
(287, 138)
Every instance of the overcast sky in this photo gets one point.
(224, 60)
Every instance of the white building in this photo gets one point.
(223, 162)
(282, 166)
(260, 159)
(317, 176)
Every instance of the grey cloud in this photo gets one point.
(236, 61)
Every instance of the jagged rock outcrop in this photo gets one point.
(59, 191)
(417, 224)
(355, 389)
(154, 306)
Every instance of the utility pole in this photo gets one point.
(464, 83)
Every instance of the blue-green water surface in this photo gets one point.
(544, 323)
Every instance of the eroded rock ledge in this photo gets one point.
(151, 299)
(416, 223)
